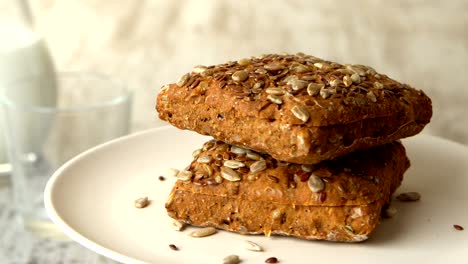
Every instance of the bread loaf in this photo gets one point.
(243, 191)
(296, 108)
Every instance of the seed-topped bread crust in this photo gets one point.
(243, 191)
(297, 108)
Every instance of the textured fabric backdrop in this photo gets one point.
(150, 43)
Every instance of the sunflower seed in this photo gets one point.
(207, 168)
(301, 68)
(199, 69)
(253, 156)
(172, 172)
(325, 93)
(334, 82)
(318, 65)
(233, 164)
(307, 168)
(275, 91)
(300, 112)
(184, 175)
(178, 225)
(315, 183)
(229, 174)
(273, 67)
(272, 178)
(290, 78)
(390, 212)
(378, 85)
(196, 152)
(409, 197)
(356, 78)
(183, 79)
(240, 76)
(218, 179)
(221, 84)
(275, 99)
(243, 62)
(238, 150)
(258, 166)
(252, 246)
(231, 259)
(371, 96)
(347, 81)
(258, 85)
(313, 89)
(203, 232)
(349, 229)
(356, 69)
(141, 202)
(204, 159)
(297, 85)
(371, 71)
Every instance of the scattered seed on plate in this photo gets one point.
(203, 232)
(390, 212)
(252, 246)
(141, 202)
(173, 247)
(409, 196)
(458, 227)
(161, 178)
(231, 259)
(178, 225)
(271, 260)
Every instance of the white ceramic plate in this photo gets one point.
(91, 199)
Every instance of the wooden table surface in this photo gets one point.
(18, 246)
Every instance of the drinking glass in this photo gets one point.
(87, 109)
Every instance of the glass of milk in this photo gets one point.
(23, 54)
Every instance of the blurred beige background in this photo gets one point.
(149, 43)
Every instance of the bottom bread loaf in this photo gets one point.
(243, 191)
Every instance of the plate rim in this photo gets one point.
(54, 215)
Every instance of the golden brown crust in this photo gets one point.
(298, 120)
(362, 181)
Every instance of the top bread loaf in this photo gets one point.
(296, 108)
